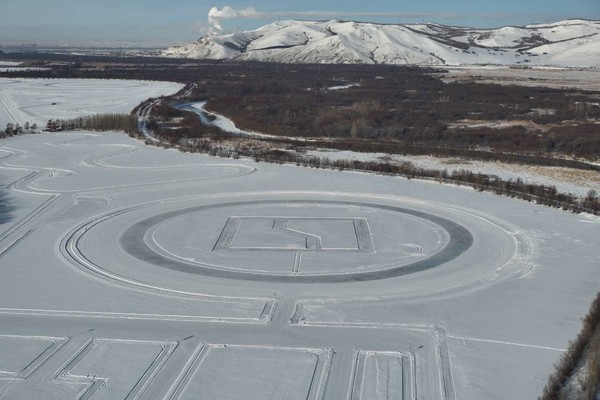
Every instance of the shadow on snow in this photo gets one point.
(7, 204)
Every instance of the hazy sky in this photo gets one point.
(169, 21)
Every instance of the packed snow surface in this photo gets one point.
(573, 43)
(36, 101)
(130, 271)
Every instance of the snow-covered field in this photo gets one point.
(36, 101)
(577, 182)
(560, 78)
(130, 271)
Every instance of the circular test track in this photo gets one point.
(117, 247)
(132, 241)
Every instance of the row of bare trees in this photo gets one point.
(103, 122)
(14, 128)
(541, 194)
(584, 353)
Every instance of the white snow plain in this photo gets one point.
(112, 250)
(38, 100)
(130, 271)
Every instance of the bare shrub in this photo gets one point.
(584, 351)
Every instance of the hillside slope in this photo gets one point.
(573, 43)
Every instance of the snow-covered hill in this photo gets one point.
(573, 43)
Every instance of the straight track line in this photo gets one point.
(533, 346)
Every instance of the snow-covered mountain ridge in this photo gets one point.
(569, 43)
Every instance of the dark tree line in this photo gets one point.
(103, 122)
(584, 351)
(541, 194)
(207, 139)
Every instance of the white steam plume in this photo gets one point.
(216, 15)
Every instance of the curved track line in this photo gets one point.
(34, 187)
(68, 248)
(460, 240)
(4, 241)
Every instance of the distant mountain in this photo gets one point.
(574, 43)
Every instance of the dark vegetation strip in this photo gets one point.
(102, 122)
(542, 194)
(408, 108)
(209, 139)
(366, 146)
(189, 126)
(583, 352)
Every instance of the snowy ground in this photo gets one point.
(568, 180)
(577, 182)
(560, 78)
(130, 271)
(16, 69)
(38, 100)
(9, 64)
(240, 280)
